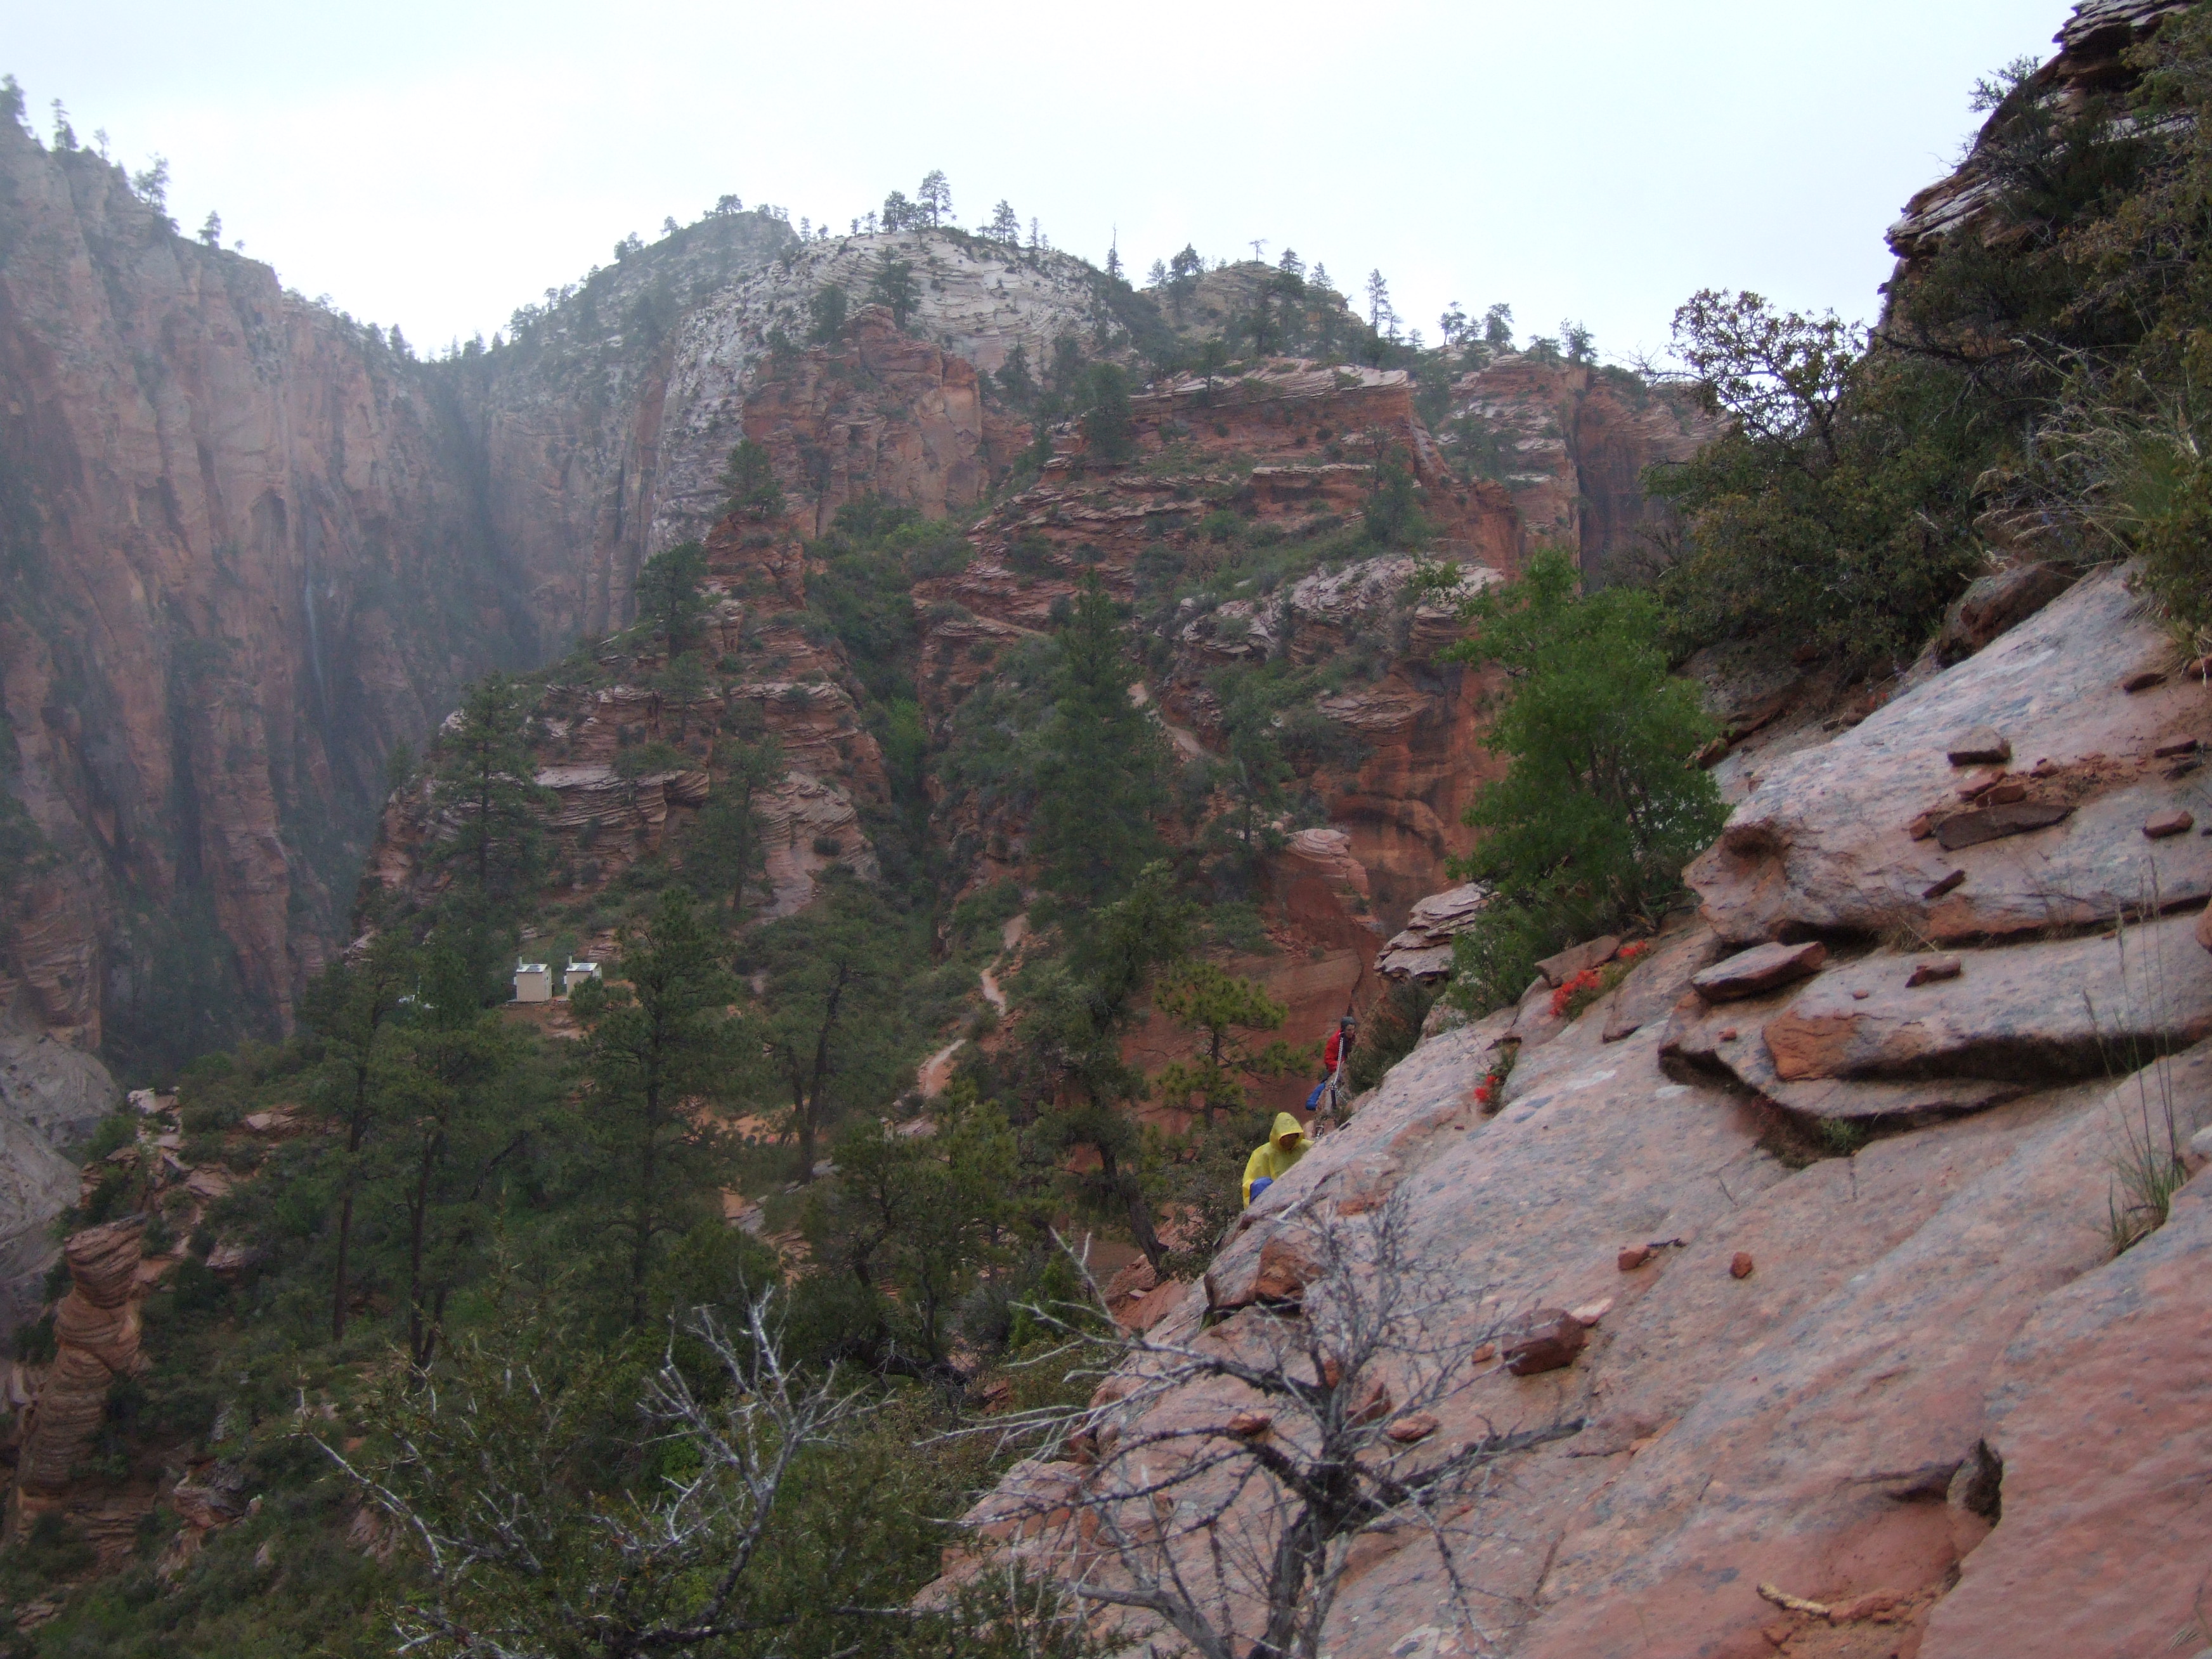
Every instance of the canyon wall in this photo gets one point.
(245, 557)
(254, 546)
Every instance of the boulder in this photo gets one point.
(2001, 600)
(1758, 971)
(1422, 949)
(1545, 1339)
(1984, 746)
(1656, 983)
(1994, 822)
(1702, 1040)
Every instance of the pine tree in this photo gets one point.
(484, 786)
(934, 198)
(670, 602)
(751, 480)
(351, 1007)
(1005, 227)
(1213, 1002)
(1108, 429)
(726, 854)
(657, 1041)
(456, 1096)
(1099, 774)
(1380, 317)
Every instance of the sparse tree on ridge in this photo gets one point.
(1497, 327)
(934, 198)
(1005, 227)
(1380, 316)
(211, 229)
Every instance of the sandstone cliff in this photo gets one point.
(244, 563)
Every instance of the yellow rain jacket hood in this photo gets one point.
(1285, 1145)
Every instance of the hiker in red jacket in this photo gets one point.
(1338, 1049)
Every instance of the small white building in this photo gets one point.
(534, 983)
(577, 973)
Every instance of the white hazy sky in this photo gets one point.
(436, 165)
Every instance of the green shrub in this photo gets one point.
(1599, 809)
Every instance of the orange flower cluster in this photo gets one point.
(1585, 987)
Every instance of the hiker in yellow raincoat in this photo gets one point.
(1285, 1146)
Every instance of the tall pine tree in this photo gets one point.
(1100, 766)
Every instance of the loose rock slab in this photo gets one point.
(2031, 1013)
(1756, 972)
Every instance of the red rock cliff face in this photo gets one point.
(880, 413)
(243, 561)
(1570, 443)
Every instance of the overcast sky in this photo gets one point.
(436, 165)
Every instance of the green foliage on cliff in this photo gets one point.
(1599, 807)
(2041, 368)
(1099, 767)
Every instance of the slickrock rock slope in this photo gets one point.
(1880, 830)
(1891, 1367)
